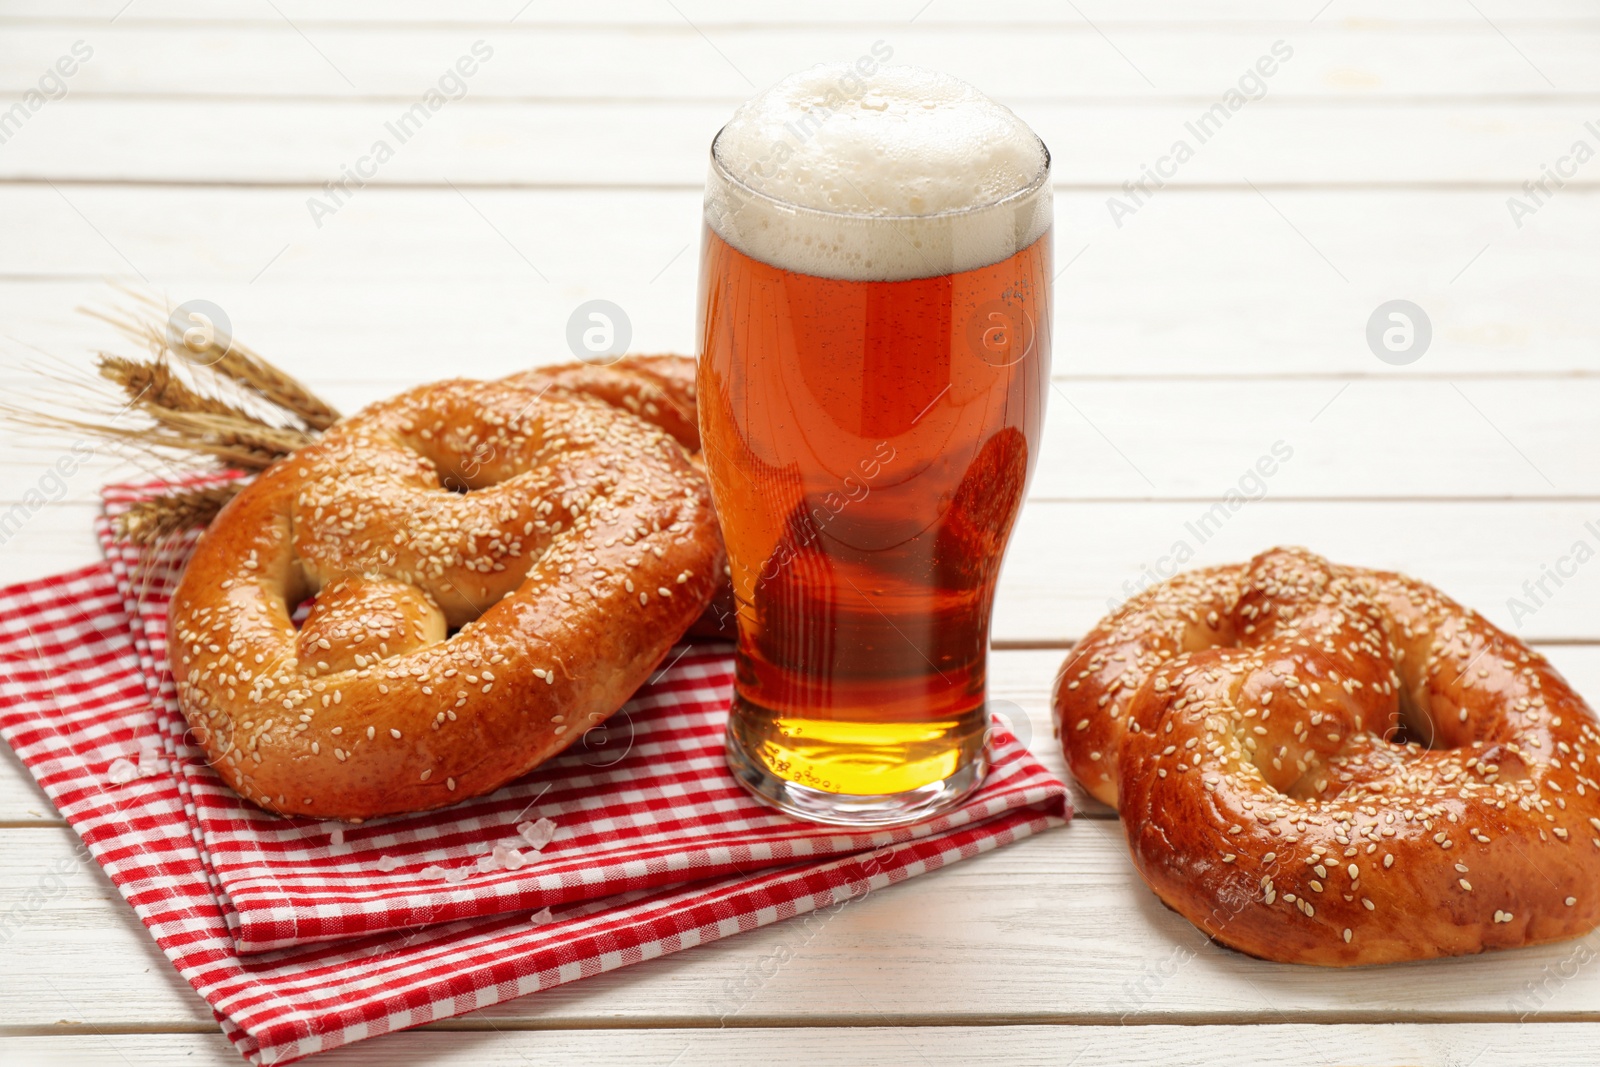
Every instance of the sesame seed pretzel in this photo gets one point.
(495, 567)
(1327, 765)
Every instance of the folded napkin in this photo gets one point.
(304, 935)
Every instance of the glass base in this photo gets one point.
(857, 811)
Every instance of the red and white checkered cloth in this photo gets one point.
(305, 935)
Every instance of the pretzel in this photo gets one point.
(1327, 765)
(495, 567)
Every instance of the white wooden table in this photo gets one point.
(1226, 314)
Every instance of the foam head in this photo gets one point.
(903, 173)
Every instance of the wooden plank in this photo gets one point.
(53, 540)
(1503, 1045)
(1197, 283)
(272, 57)
(1069, 563)
(714, 13)
(482, 141)
(1437, 444)
(1021, 935)
(21, 799)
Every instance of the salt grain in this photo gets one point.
(509, 858)
(537, 834)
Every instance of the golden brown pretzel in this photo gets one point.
(496, 566)
(1327, 765)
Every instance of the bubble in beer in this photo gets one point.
(903, 173)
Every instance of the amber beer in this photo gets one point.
(872, 385)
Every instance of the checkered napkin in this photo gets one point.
(305, 935)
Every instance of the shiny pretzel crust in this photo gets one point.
(1335, 766)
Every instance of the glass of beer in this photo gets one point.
(874, 329)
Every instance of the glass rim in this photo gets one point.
(1039, 181)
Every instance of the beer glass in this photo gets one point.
(874, 355)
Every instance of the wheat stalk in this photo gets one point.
(233, 443)
(252, 371)
(194, 403)
(236, 362)
(152, 521)
(151, 384)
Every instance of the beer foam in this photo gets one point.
(901, 173)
